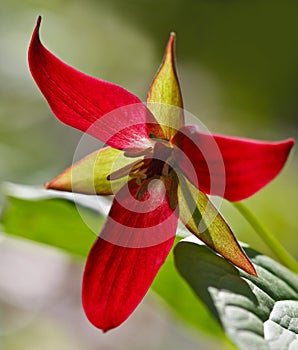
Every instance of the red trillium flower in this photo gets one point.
(159, 170)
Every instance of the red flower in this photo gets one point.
(159, 170)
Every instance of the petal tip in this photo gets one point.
(34, 43)
(38, 21)
(36, 29)
(290, 142)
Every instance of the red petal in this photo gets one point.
(82, 101)
(126, 257)
(233, 168)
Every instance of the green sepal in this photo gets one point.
(89, 175)
(202, 218)
(164, 97)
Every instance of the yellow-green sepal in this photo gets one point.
(202, 219)
(89, 175)
(164, 97)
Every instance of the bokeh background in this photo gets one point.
(237, 63)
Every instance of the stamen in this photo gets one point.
(165, 170)
(134, 154)
(140, 177)
(173, 191)
(126, 170)
(142, 190)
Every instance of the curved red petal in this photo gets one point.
(82, 101)
(127, 256)
(233, 168)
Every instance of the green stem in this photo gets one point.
(283, 255)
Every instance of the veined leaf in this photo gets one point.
(256, 312)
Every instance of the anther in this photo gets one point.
(126, 170)
(134, 154)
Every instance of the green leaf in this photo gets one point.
(256, 312)
(55, 222)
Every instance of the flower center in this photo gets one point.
(157, 163)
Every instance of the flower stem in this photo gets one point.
(284, 256)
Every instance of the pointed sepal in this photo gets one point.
(90, 174)
(164, 96)
(202, 218)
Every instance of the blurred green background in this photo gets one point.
(237, 63)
